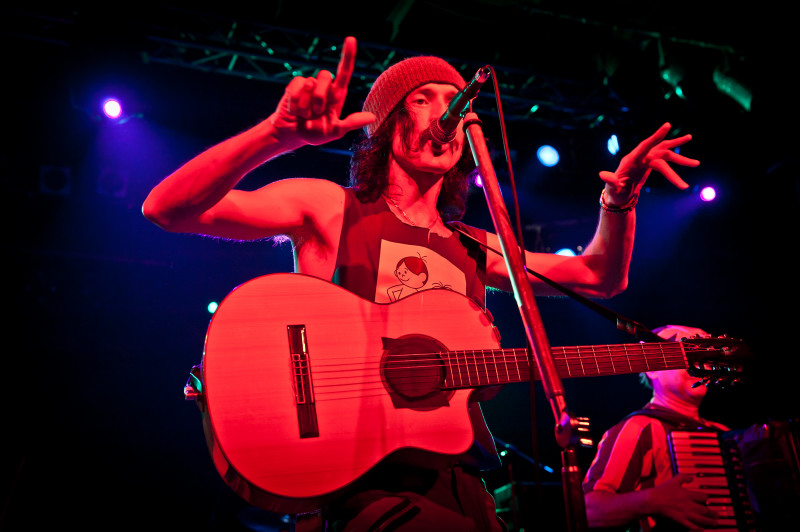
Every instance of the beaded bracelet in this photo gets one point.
(622, 209)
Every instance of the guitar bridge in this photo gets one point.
(301, 382)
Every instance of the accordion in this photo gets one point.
(716, 463)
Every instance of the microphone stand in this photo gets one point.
(567, 428)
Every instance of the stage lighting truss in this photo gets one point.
(276, 54)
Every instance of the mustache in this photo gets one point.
(426, 136)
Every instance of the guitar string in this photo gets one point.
(480, 371)
(478, 365)
(485, 370)
(361, 387)
(431, 362)
(521, 354)
(517, 354)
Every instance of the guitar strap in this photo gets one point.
(639, 331)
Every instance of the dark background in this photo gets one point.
(109, 312)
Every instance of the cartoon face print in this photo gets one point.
(412, 272)
(405, 270)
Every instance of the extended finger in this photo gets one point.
(346, 63)
(674, 143)
(676, 158)
(608, 177)
(320, 93)
(662, 167)
(325, 128)
(652, 141)
(356, 120)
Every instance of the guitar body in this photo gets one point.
(306, 386)
(285, 449)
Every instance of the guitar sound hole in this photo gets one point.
(412, 368)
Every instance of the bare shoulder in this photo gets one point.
(295, 207)
(322, 201)
(319, 206)
(307, 208)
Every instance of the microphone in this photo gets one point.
(444, 129)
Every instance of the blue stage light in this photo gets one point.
(547, 155)
(613, 145)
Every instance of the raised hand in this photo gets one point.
(653, 153)
(310, 108)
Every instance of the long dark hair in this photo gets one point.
(369, 167)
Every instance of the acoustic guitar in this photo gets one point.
(306, 387)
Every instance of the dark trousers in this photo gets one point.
(404, 498)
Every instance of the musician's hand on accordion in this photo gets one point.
(684, 506)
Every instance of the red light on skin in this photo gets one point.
(708, 194)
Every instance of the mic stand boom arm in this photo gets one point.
(567, 429)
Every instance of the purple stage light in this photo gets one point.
(112, 108)
(708, 194)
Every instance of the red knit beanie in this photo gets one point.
(401, 78)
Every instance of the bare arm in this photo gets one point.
(602, 269)
(670, 500)
(199, 197)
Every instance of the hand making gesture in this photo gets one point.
(310, 108)
(654, 153)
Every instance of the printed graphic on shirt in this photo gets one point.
(404, 270)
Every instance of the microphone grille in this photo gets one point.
(441, 136)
